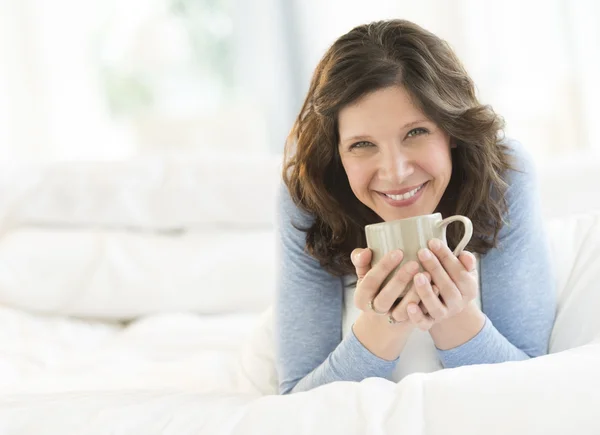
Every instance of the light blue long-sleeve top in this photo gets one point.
(518, 298)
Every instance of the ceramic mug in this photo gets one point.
(410, 235)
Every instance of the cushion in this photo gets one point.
(575, 246)
(120, 275)
(211, 190)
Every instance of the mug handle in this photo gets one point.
(468, 231)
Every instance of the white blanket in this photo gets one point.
(556, 394)
(183, 373)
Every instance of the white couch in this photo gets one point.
(119, 308)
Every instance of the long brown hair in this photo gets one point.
(371, 57)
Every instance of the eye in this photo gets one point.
(361, 144)
(417, 132)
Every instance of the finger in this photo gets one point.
(420, 319)
(446, 258)
(361, 259)
(415, 314)
(430, 300)
(448, 288)
(371, 282)
(436, 291)
(468, 261)
(411, 297)
(468, 284)
(396, 286)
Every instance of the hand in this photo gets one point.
(372, 328)
(454, 280)
(369, 297)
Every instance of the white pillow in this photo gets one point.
(120, 275)
(150, 193)
(568, 185)
(575, 245)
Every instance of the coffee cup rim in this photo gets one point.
(422, 216)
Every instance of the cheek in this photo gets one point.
(358, 177)
(439, 165)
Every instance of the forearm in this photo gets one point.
(350, 361)
(471, 338)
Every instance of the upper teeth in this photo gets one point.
(405, 195)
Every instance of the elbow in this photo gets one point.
(543, 346)
(284, 391)
(536, 351)
(287, 387)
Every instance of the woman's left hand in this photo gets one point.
(453, 278)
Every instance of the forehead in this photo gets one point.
(381, 109)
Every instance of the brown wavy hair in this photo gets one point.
(368, 58)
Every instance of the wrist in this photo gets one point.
(379, 337)
(458, 329)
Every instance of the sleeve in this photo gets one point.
(518, 291)
(308, 316)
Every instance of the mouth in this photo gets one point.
(404, 199)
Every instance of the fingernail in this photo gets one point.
(395, 255)
(412, 267)
(435, 244)
(420, 279)
(425, 254)
(357, 256)
(412, 309)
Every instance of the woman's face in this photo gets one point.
(397, 161)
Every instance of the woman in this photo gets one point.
(391, 128)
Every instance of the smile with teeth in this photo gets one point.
(406, 195)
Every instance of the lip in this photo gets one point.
(401, 191)
(404, 202)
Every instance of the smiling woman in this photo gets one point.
(403, 166)
(388, 116)
(391, 129)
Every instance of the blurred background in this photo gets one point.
(140, 152)
(113, 79)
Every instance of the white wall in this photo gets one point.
(536, 62)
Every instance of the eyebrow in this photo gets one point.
(360, 137)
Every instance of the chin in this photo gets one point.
(416, 210)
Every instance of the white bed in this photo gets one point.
(119, 313)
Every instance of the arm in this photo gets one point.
(517, 285)
(308, 316)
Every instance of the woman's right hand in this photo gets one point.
(373, 328)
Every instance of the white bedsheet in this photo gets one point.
(189, 352)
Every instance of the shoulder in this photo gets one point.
(522, 196)
(522, 164)
(289, 212)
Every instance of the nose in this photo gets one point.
(395, 167)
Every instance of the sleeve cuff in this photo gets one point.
(358, 362)
(473, 351)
